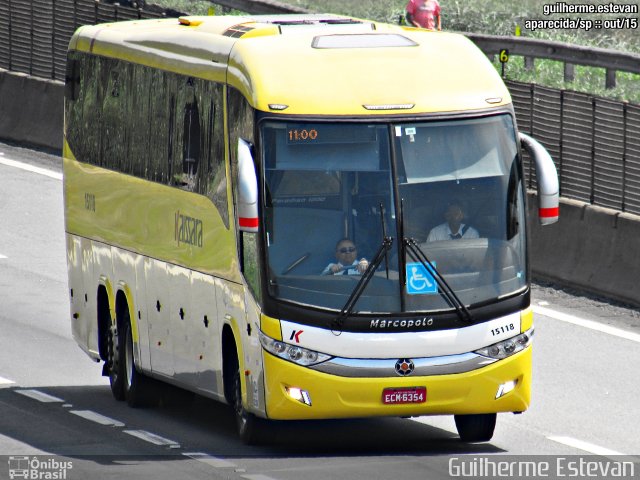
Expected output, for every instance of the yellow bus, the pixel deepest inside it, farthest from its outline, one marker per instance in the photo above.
(305, 217)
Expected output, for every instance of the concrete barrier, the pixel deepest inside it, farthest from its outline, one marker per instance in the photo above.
(31, 110)
(591, 248)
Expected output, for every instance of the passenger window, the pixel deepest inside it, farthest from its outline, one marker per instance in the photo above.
(186, 177)
(250, 263)
(191, 142)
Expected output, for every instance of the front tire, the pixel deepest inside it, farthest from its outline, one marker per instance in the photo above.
(476, 428)
(247, 423)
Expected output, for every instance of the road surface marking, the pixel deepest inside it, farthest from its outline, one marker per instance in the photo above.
(40, 396)
(210, 460)
(618, 332)
(587, 447)
(256, 476)
(152, 438)
(97, 418)
(2, 256)
(30, 168)
(5, 381)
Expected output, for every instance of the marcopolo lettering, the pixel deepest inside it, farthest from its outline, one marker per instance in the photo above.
(381, 324)
(188, 230)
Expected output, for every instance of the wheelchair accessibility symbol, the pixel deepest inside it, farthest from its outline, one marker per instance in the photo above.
(420, 280)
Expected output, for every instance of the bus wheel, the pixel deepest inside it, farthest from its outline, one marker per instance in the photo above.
(115, 364)
(136, 385)
(248, 424)
(476, 428)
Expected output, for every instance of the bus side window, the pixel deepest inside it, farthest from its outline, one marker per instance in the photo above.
(115, 135)
(92, 112)
(241, 122)
(191, 143)
(188, 134)
(250, 264)
(74, 101)
(72, 79)
(213, 173)
(240, 119)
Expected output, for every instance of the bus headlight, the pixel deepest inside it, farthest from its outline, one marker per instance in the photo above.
(508, 347)
(292, 353)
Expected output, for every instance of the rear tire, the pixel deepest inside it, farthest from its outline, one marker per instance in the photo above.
(115, 363)
(137, 387)
(476, 428)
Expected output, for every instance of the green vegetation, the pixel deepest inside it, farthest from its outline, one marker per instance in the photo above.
(498, 17)
(493, 17)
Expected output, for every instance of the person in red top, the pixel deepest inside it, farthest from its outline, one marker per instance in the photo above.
(424, 14)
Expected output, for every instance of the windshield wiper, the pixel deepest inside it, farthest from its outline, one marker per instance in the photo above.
(384, 235)
(447, 292)
(338, 322)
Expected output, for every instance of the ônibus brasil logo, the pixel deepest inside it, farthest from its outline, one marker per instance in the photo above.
(34, 468)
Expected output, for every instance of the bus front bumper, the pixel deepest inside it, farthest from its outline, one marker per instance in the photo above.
(294, 392)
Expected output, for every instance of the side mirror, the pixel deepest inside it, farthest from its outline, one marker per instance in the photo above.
(548, 186)
(247, 189)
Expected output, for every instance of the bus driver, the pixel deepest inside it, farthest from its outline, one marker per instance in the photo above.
(348, 264)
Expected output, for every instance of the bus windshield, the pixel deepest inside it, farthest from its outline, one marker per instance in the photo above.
(333, 191)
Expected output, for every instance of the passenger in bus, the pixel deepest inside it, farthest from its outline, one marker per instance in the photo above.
(347, 257)
(453, 228)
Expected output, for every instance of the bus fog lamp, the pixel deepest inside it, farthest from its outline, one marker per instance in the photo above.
(506, 388)
(508, 347)
(299, 395)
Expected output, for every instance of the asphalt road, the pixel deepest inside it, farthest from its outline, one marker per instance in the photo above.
(56, 407)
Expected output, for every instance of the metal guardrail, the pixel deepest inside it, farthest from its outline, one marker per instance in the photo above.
(571, 55)
(595, 141)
